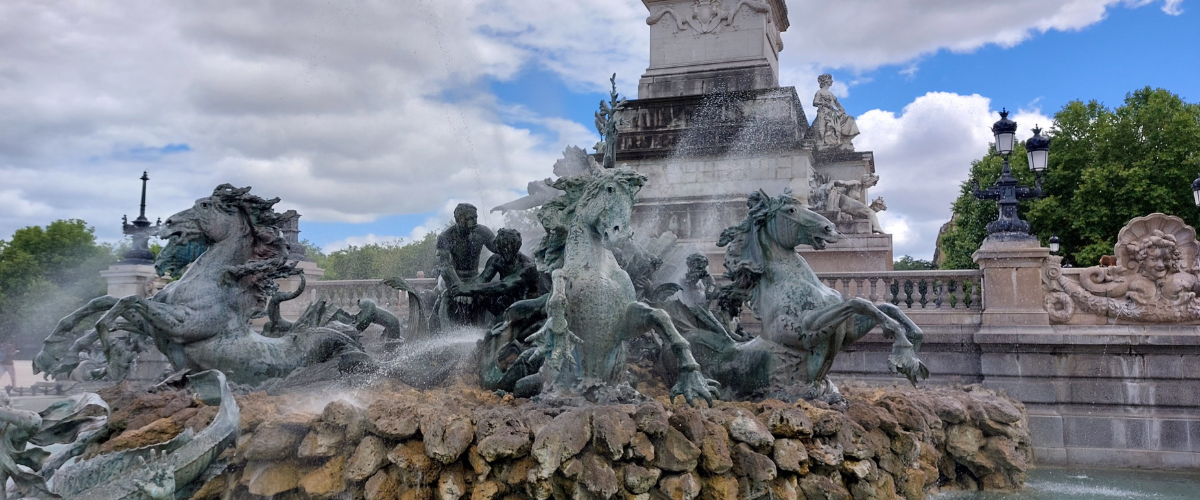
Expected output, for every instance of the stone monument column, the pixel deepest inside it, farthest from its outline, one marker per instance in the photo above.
(1013, 300)
(292, 309)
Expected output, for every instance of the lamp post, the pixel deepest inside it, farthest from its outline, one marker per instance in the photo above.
(1006, 191)
(1196, 191)
(140, 231)
(1055, 244)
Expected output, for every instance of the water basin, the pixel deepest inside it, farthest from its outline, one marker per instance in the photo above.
(1053, 483)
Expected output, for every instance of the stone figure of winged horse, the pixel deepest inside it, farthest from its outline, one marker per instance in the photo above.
(811, 321)
(233, 252)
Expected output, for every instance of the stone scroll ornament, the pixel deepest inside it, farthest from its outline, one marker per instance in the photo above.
(707, 16)
(1155, 280)
(228, 251)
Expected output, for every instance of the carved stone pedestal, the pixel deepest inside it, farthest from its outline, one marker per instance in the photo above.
(1012, 285)
(125, 280)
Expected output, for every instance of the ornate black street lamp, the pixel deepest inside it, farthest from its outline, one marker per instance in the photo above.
(140, 231)
(1055, 244)
(1196, 191)
(1006, 190)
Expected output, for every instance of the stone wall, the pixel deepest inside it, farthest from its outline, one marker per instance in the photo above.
(461, 443)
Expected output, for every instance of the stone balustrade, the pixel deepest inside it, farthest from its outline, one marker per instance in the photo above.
(958, 289)
(346, 293)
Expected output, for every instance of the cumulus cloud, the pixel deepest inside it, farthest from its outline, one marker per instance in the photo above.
(922, 156)
(354, 111)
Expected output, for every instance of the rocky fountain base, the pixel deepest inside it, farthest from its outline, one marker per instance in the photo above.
(392, 442)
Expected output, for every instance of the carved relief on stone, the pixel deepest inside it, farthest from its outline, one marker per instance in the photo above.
(844, 200)
(1155, 279)
(707, 16)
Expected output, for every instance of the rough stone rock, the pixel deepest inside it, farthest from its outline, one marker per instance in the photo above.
(690, 422)
(750, 489)
(158, 431)
(745, 428)
(789, 422)
(327, 480)
(906, 446)
(825, 422)
(963, 442)
(447, 435)
(518, 471)
(536, 420)
(255, 408)
(392, 419)
(673, 452)
(212, 489)
(598, 476)
(996, 407)
(714, 449)
(270, 479)
(383, 485)
(452, 484)
(855, 441)
(501, 434)
(369, 456)
(640, 479)
(790, 455)
(479, 464)
(858, 469)
(148, 408)
(680, 486)
(414, 467)
(823, 453)
(612, 430)
(350, 418)
(204, 416)
(488, 490)
(751, 464)
(818, 487)
(911, 484)
(723, 487)
(563, 438)
(950, 409)
(278, 438)
(641, 448)
(910, 417)
(325, 440)
(1010, 464)
(651, 418)
(785, 488)
(417, 493)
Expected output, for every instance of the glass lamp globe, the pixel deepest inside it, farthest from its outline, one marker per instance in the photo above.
(1055, 244)
(1005, 131)
(1038, 151)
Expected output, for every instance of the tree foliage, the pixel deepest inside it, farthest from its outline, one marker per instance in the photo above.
(1107, 166)
(908, 263)
(377, 261)
(45, 273)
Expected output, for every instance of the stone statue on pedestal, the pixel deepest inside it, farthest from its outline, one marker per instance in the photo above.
(832, 128)
(847, 199)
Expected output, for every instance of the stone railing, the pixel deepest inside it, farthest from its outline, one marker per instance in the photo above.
(346, 293)
(958, 290)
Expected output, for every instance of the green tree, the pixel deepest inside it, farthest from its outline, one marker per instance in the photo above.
(385, 260)
(45, 273)
(908, 263)
(1107, 166)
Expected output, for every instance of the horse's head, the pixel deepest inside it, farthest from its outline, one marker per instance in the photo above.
(229, 213)
(605, 205)
(789, 223)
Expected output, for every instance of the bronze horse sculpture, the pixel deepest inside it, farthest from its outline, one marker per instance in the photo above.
(233, 252)
(810, 321)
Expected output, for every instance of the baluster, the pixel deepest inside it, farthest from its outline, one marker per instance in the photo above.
(923, 290)
(976, 288)
(894, 288)
(874, 282)
(846, 287)
(908, 291)
(939, 291)
(858, 287)
(952, 287)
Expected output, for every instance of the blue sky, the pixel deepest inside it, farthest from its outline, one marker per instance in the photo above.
(374, 120)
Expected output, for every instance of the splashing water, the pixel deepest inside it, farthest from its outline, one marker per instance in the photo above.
(435, 361)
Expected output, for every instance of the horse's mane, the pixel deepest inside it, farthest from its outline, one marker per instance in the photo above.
(744, 262)
(558, 214)
(270, 248)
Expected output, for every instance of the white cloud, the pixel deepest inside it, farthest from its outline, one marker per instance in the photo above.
(353, 111)
(923, 155)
